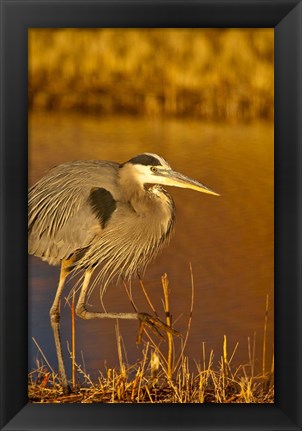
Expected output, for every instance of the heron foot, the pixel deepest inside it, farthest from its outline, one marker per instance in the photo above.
(67, 390)
(155, 324)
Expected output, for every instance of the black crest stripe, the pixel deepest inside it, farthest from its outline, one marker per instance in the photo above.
(145, 159)
(102, 204)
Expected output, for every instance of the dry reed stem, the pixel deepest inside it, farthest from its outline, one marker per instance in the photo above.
(203, 376)
(156, 347)
(154, 365)
(143, 328)
(147, 296)
(273, 365)
(73, 342)
(189, 320)
(43, 356)
(251, 353)
(79, 368)
(234, 351)
(165, 284)
(72, 352)
(264, 336)
(119, 348)
(254, 353)
(129, 294)
(225, 358)
(142, 370)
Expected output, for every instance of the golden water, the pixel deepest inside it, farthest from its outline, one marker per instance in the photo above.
(228, 239)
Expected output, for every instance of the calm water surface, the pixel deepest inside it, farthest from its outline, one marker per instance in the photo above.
(228, 239)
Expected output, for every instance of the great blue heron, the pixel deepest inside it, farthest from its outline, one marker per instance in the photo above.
(100, 215)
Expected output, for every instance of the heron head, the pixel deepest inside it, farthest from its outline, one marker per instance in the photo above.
(149, 168)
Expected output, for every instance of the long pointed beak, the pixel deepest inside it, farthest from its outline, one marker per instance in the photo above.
(177, 179)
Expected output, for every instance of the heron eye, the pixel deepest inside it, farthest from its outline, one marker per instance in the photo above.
(153, 169)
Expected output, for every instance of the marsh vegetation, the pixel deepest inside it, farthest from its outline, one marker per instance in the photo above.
(163, 374)
(211, 74)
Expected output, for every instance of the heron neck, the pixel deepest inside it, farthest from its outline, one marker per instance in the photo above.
(131, 188)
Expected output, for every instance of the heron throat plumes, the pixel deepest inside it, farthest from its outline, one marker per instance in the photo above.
(123, 249)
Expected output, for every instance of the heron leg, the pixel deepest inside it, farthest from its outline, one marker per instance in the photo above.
(81, 305)
(144, 318)
(55, 324)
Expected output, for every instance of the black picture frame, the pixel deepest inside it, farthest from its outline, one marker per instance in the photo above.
(285, 16)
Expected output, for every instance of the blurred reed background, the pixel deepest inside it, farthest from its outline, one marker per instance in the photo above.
(210, 74)
(203, 99)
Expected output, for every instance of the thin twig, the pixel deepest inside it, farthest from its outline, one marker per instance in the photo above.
(73, 341)
(189, 320)
(130, 297)
(147, 296)
(264, 337)
(44, 357)
(165, 284)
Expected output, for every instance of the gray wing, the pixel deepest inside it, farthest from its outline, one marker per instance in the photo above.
(69, 207)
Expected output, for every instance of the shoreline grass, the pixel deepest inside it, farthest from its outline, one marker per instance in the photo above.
(163, 374)
(148, 381)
